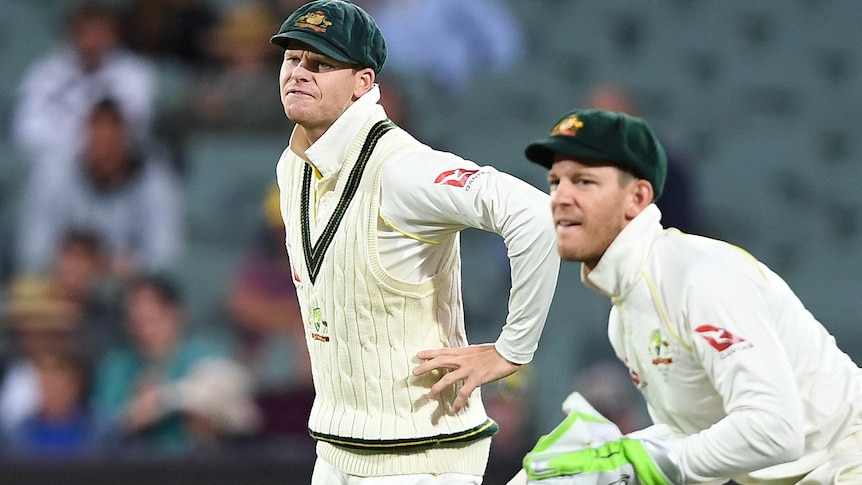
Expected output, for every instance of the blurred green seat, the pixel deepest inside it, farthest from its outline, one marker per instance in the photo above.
(227, 178)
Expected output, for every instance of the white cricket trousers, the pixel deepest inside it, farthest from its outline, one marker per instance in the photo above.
(325, 474)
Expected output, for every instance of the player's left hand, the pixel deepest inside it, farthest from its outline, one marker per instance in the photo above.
(474, 365)
(588, 449)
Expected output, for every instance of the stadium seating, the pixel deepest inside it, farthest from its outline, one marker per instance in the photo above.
(227, 176)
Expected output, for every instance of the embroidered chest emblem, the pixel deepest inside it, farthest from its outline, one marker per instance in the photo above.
(319, 327)
(659, 349)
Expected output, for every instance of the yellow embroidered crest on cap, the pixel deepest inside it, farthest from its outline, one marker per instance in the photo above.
(568, 127)
(314, 21)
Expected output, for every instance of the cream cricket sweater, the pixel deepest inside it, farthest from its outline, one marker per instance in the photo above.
(364, 328)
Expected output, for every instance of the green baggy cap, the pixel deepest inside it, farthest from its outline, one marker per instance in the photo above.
(337, 29)
(622, 140)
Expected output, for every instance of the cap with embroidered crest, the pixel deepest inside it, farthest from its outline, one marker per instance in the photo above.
(337, 29)
(592, 135)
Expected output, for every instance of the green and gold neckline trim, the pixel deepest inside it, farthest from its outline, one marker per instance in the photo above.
(314, 253)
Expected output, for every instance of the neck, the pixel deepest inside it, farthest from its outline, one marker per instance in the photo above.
(311, 135)
(301, 141)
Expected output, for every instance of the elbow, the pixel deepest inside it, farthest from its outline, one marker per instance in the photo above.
(794, 446)
(786, 442)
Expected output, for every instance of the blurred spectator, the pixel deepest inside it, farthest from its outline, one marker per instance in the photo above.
(283, 8)
(607, 387)
(82, 276)
(154, 387)
(40, 323)
(509, 402)
(236, 90)
(216, 401)
(61, 425)
(263, 304)
(678, 203)
(171, 30)
(59, 91)
(395, 99)
(129, 198)
(449, 40)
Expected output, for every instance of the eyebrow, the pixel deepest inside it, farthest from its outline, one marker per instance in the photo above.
(313, 55)
(323, 58)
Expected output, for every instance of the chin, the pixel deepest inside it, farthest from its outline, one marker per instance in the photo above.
(567, 254)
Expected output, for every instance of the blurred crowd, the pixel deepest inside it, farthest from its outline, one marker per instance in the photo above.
(100, 353)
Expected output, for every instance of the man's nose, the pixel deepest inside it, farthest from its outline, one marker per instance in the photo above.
(562, 194)
(300, 72)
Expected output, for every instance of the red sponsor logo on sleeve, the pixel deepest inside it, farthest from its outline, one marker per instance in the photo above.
(457, 177)
(719, 338)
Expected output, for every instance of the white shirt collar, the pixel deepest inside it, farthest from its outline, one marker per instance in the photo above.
(328, 152)
(620, 266)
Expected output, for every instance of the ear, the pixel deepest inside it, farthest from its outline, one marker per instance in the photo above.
(364, 81)
(641, 196)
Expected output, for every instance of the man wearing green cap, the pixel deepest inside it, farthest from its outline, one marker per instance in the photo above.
(373, 220)
(741, 381)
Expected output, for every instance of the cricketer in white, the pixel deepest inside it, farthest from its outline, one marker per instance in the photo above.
(726, 355)
(389, 287)
(747, 383)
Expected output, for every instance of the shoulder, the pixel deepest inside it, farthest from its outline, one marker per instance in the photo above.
(56, 62)
(699, 263)
(420, 165)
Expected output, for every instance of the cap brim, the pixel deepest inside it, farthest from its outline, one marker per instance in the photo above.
(543, 151)
(313, 41)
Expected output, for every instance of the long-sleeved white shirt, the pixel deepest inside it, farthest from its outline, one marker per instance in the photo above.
(724, 353)
(428, 195)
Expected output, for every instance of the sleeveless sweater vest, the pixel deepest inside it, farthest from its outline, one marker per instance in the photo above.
(363, 326)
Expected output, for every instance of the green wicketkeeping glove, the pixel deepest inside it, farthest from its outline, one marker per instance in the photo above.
(587, 449)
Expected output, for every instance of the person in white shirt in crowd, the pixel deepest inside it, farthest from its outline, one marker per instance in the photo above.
(127, 196)
(372, 221)
(741, 381)
(59, 91)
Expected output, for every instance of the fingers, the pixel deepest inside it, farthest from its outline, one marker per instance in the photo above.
(454, 351)
(461, 397)
(435, 363)
(470, 383)
(473, 365)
